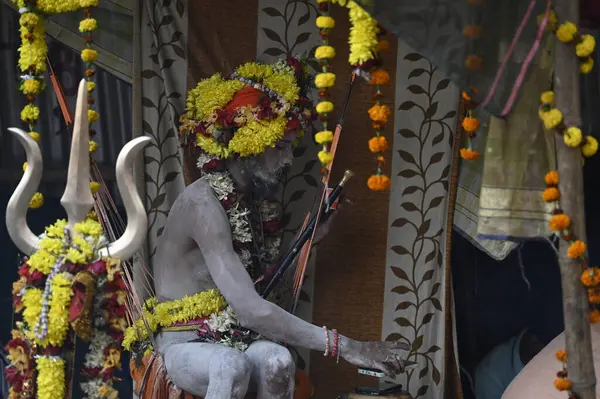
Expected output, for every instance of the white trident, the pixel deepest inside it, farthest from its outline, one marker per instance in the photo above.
(77, 199)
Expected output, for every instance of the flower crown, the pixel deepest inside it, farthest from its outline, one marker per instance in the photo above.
(248, 112)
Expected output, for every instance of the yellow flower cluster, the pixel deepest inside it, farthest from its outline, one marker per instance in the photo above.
(51, 379)
(51, 246)
(585, 45)
(33, 49)
(166, 314)
(88, 25)
(209, 95)
(283, 84)
(36, 201)
(58, 316)
(255, 136)
(363, 35)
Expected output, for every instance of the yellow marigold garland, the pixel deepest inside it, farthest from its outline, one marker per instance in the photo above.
(324, 81)
(51, 380)
(568, 33)
(51, 368)
(572, 135)
(33, 53)
(166, 314)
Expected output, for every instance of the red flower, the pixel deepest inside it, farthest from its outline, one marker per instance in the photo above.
(72, 268)
(24, 270)
(225, 118)
(294, 63)
(35, 278)
(271, 226)
(91, 371)
(98, 267)
(293, 124)
(14, 378)
(212, 164)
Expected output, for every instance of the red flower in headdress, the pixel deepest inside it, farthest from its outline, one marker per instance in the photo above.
(294, 63)
(35, 278)
(293, 124)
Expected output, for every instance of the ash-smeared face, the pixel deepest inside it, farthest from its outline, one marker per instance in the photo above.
(268, 166)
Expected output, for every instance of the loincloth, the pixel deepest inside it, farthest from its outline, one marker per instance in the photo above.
(150, 379)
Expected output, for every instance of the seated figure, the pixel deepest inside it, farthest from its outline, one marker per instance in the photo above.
(218, 338)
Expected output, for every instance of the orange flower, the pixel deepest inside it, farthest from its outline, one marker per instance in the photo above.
(562, 384)
(472, 31)
(378, 144)
(381, 160)
(559, 222)
(380, 77)
(594, 316)
(576, 249)
(552, 178)
(590, 277)
(378, 182)
(470, 124)
(551, 194)
(561, 355)
(383, 45)
(379, 113)
(468, 154)
(466, 96)
(593, 295)
(473, 63)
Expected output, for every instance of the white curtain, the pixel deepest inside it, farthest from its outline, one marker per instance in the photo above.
(415, 282)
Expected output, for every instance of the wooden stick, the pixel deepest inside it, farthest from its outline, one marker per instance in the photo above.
(580, 364)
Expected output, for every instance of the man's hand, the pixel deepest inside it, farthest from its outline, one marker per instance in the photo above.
(378, 355)
(324, 228)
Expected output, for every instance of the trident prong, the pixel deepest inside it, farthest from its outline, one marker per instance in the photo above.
(78, 199)
(16, 210)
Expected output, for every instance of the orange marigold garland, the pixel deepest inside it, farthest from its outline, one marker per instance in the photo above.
(379, 115)
(560, 224)
(470, 125)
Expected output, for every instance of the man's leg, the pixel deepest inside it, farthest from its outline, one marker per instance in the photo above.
(208, 370)
(273, 370)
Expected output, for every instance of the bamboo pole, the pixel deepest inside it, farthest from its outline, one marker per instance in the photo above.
(580, 366)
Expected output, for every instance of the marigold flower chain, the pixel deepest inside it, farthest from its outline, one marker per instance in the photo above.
(48, 280)
(470, 125)
(572, 136)
(378, 144)
(568, 33)
(33, 53)
(577, 251)
(324, 81)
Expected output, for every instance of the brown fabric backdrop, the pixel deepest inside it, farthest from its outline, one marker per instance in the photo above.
(222, 35)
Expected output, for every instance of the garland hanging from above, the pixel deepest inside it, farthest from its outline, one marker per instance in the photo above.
(32, 61)
(364, 39)
(65, 289)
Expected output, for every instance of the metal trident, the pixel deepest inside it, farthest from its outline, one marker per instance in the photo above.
(77, 199)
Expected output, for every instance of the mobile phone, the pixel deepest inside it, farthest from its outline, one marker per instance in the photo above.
(371, 372)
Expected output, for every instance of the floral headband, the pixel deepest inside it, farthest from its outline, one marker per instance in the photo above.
(249, 112)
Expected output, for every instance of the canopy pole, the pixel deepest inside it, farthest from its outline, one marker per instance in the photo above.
(580, 365)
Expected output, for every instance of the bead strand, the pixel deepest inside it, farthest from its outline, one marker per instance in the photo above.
(326, 353)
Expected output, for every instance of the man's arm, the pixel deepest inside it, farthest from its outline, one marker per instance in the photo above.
(212, 233)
